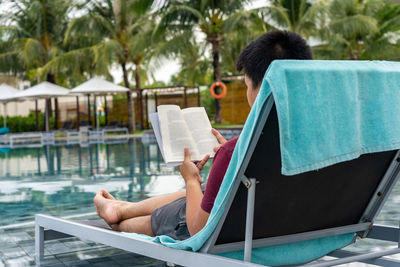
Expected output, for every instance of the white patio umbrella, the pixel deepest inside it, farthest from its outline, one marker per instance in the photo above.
(44, 90)
(7, 94)
(98, 86)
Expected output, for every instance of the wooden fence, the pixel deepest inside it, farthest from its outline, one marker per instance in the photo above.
(235, 107)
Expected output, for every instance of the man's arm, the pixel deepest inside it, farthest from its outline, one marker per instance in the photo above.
(196, 217)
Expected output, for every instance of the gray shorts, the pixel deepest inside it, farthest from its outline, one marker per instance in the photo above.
(170, 219)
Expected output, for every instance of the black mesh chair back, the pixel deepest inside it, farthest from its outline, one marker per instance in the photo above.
(330, 197)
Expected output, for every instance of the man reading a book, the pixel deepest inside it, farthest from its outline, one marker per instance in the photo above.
(184, 213)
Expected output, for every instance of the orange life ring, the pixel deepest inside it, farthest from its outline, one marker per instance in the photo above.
(222, 94)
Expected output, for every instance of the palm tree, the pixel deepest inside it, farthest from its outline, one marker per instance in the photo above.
(382, 44)
(210, 17)
(117, 31)
(240, 29)
(32, 35)
(195, 68)
(299, 16)
(360, 29)
(191, 56)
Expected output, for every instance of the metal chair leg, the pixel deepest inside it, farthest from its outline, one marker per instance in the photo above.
(39, 243)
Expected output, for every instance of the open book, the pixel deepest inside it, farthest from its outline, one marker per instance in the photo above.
(176, 129)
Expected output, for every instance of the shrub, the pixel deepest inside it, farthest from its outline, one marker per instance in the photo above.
(207, 101)
(26, 124)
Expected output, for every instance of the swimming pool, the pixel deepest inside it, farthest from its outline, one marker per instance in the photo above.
(62, 180)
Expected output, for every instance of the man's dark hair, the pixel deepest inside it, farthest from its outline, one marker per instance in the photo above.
(258, 55)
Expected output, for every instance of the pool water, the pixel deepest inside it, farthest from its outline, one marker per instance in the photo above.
(62, 180)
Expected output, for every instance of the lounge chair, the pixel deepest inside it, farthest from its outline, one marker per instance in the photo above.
(3, 134)
(84, 127)
(113, 124)
(115, 127)
(4, 130)
(65, 127)
(285, 220)
(99, 135)
(85, 123)
(27, 139)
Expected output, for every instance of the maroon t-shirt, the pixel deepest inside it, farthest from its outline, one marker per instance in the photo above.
(220, 165)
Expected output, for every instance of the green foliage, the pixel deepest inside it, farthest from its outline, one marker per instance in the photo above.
(222, 125)
(27, 124)
(102, 121)
(360, 29)
(110, 32)
(42, 39)
(207, 101)
(32, 34)
(234, 43)
(195, 67)
(300, 16)
(211, 17)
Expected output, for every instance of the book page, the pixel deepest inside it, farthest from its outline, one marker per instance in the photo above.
(200, 128)
(175, 134)
(155, 123)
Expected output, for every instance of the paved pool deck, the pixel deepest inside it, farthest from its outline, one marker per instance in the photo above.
(17, 248)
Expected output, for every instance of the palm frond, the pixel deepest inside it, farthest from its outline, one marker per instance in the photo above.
(92, 28)
(10, 62)
(68, 62)
(280, 16)
(174, 46)
(32, 52)
(354, 26)
(106, 53)
(141, 7)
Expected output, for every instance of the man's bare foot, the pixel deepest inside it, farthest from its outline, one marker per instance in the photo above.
(106, 194)
(115, 227)
(107, 207)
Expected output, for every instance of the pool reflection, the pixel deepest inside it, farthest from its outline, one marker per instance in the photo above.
(62, 180)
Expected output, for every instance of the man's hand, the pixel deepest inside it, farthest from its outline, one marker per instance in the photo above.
(196, 218)
(220, 139)
(189, 170)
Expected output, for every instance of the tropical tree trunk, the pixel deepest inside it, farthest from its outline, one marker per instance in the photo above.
(131, 117)
(217, 76)
(354, 53)
(353, 56)
(51, 78)
(139, 91)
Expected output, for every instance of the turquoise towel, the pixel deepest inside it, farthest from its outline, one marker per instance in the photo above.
(295, 253)
(333, 111)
